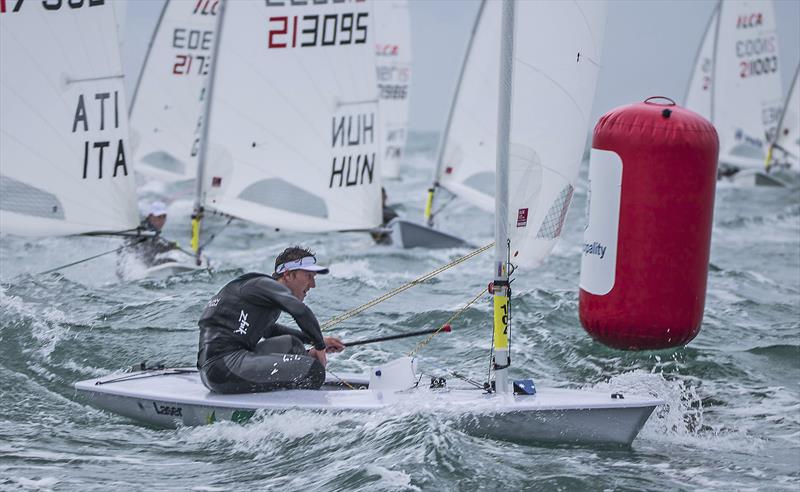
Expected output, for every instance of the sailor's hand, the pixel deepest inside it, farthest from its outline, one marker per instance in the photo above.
(319, 355)
(334, 345)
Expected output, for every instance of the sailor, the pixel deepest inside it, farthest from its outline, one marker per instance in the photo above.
(388, 215)
(242, 347)
(147, 250)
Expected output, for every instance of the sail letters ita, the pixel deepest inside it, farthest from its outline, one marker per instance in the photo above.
(94, 151)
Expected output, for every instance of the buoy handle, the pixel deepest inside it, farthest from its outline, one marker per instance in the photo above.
(671, 102)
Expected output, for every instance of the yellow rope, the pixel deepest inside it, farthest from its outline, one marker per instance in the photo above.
(453, 317)
(349, 314)
(340, 379)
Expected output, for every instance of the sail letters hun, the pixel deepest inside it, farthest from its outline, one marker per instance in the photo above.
(353, 146)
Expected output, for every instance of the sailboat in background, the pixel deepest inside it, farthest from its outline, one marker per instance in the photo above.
(736, 84)
(465, 161)
(63, 127)
(554, 72)
(291, 139)
(169, 100)
(784, 151)
(393, 70)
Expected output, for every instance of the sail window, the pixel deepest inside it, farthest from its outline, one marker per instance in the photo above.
(25, 199)
(280, 194)
(553, 222)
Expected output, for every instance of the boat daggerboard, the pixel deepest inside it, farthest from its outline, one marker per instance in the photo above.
(470, 144)
(64, 153)
(169, 102)
(698, 94)
(557, 52)
(747, 94)
(393, 71)
(293, 119)
(787, 138)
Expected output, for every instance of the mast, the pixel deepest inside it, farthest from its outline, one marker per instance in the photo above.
(501, 247)
(147, 55)
(779, 128)
(699, 53)
(446, 132)
(714, 60)
(197, 213)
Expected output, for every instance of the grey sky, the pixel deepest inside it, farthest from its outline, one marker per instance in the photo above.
(649, 49)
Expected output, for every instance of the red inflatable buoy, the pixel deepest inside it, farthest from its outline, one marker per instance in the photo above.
(644, 266)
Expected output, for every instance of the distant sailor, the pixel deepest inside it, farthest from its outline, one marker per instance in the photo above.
(388, 215)
(148, 250)
(242, 347)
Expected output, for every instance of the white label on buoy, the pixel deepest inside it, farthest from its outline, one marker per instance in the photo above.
(599, 258)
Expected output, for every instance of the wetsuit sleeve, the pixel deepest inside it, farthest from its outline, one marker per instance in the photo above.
(279, 329)
(268, 292)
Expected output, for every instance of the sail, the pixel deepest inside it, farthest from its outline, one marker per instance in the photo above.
(64, 153)
(393, 52)
(786, 149)
(698, 95)
(168, 105)
(293, 122)
(747, 93)
(557, 51)
(470, 144)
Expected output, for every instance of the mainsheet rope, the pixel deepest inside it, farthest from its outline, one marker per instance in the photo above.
(353, 312)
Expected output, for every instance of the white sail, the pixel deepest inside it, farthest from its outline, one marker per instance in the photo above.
(469, 147)
(393, 52)
(64, 151)
(556, 63)
(698, 94)
(293, 122)
(167, 107)
(786, 147)
(747, 92)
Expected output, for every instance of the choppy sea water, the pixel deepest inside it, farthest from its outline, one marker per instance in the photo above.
(732, 419)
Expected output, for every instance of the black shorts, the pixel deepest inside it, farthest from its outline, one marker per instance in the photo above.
(276, 363)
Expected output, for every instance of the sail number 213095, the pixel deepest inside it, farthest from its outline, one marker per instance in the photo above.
(317, 30)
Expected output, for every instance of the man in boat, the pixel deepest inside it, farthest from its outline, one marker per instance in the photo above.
(242, 347)
(388, 214)
(148, 248)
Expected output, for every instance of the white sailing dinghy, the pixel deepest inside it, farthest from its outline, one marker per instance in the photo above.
(169, 100)
(783, 158)
(291, 138)
(467, 149)
(736, 84)
(393, 71)
(559, 78)
(64, 154)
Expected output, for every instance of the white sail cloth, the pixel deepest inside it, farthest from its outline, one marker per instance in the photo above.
(470, 147)
(556, 66)
(64, 154)
(786, 151)
(168, 105)
(293, 120)
(745, 82)
(393, 70)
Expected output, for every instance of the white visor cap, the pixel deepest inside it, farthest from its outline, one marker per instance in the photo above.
(307, 263)
(157, 209)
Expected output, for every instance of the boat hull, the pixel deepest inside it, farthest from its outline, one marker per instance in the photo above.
(406, 234)
(174, 397)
